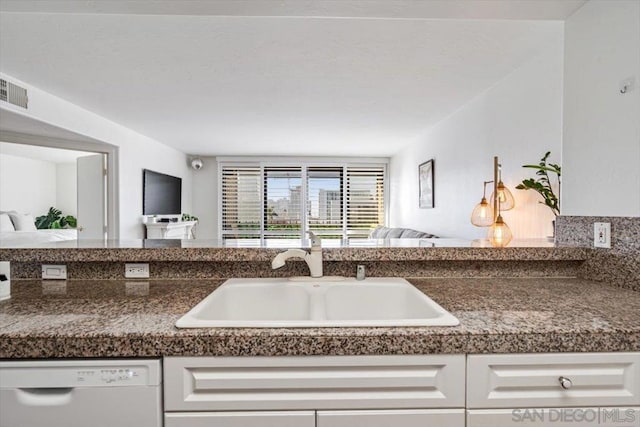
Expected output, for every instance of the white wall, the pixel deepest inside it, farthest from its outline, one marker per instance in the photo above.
(136, 151)
(33, 186)
(517, 119)
(67, 188)
(601, 148)
(205, 199)
(27, 185)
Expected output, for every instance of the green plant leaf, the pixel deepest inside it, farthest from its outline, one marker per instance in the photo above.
(542, 168)
(71, 221)
(542, 185)
(54, 219)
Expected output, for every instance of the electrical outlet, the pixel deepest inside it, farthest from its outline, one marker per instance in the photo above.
(136, 271)
(5, 280)
(50, 271)
(602, 235)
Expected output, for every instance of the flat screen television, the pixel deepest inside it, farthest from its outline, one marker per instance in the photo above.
(161, 194)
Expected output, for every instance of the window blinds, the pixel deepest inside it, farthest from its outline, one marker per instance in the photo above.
(365, 200)
(276, 202)
(241, 208)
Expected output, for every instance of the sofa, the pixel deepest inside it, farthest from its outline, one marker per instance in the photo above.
(399, 233)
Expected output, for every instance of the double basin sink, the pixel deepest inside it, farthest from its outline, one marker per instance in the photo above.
(324, 302)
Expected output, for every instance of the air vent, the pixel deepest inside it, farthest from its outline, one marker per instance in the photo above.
(13, 94)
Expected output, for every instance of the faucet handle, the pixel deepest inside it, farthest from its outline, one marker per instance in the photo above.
(316, 242)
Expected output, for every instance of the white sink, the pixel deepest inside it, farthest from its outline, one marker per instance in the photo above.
(274, 303)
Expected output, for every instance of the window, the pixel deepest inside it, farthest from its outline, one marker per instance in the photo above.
(325, 202)
(283, 202)
(265, 201)
(242, 204)
(365, 200)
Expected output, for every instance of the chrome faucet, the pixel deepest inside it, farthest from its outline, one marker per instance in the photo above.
(312, 258)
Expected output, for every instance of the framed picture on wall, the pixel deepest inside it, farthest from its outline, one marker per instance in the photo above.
(425, 184)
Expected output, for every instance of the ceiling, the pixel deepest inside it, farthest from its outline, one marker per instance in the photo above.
(266, 77)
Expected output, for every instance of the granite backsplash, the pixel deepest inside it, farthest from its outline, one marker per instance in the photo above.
(619, 265)
(226, 269)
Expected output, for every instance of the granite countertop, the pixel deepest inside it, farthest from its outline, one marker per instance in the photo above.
(113, 318)
(338, 250)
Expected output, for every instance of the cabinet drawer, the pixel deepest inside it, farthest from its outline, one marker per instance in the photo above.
(557, 417)
(241, 419)
(310, 382)
(533, 380)
(394, 417)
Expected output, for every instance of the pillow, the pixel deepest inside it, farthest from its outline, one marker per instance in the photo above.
(5, 223)
(23, 222)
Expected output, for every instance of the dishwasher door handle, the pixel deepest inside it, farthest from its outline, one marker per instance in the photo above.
(58, 396)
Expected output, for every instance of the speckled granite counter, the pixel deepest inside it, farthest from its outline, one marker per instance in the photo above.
(119, 319)
(366, 250)
(397, 257)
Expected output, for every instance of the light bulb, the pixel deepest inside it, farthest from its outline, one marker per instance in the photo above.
(482, 215)
(500, 233)
(505, 198)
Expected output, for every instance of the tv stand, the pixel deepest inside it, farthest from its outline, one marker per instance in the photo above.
(182, 230)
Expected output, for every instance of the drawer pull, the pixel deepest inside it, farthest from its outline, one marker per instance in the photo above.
(565, 383)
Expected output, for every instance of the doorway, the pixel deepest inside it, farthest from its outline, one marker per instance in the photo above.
(17, 129)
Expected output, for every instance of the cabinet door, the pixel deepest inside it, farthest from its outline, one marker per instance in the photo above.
(392, 417)
(310, 382)
(175, 231)
(241, 419)
(556, 417)
(553, 380)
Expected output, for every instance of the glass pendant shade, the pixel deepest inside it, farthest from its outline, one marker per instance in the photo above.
(505, 198)
(499, 233)
(482, 215)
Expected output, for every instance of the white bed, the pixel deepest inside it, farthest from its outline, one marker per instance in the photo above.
(38, 237)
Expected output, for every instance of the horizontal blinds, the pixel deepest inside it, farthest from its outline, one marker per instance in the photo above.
(364, 199)
(283, 195)
(283, 202)
(241, 199)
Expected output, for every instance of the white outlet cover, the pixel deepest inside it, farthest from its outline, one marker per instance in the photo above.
(54, 271)
(136, 271)
(602, 235)
(5, 285)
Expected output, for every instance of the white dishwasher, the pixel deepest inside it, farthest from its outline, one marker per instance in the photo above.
(80, 393)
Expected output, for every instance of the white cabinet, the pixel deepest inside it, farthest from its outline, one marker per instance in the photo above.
(404, 391)
(392, 417)
(312, 382)
(171, 230)
(344, 390)
(533, 380)
(566, 389)
(241, 419)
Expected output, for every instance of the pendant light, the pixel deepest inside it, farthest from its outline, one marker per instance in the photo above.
(500, 234)
(507, 202)
(489, 215)
(482, 215)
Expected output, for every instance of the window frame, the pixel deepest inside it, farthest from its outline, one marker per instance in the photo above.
(303, 163)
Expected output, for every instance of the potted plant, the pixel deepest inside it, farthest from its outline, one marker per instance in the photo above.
(55, 219)
(543, 183)
(189, 217)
